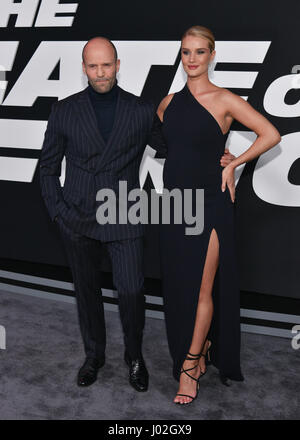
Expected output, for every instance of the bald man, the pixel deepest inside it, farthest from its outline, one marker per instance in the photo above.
(102, 131)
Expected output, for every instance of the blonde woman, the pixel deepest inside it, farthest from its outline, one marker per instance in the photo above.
(199, 272)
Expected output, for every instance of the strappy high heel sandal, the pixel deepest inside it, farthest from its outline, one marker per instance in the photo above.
(183, 370)
(206, 356)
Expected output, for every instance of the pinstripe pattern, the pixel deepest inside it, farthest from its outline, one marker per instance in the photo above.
(84, 255)
(127, 259)
(92, 164)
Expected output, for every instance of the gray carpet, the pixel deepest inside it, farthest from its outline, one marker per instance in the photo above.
(43, 352)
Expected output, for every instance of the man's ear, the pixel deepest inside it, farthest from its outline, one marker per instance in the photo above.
(83, 67)
(118, 65)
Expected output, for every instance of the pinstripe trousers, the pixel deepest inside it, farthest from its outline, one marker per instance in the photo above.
(84, 254)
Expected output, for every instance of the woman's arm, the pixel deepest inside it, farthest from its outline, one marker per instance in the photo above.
(267, 136)
(163, 105)
(156, 139)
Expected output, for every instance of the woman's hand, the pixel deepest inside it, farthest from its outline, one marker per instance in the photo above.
(227, 158)
(228, 179)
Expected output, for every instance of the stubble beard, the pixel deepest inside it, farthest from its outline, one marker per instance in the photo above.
(103, 86)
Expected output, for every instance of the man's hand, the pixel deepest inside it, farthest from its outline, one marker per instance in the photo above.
(227, 158)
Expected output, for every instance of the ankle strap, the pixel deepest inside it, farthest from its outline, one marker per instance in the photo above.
(194, 358)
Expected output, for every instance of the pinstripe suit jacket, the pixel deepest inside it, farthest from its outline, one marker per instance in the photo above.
(92, 164)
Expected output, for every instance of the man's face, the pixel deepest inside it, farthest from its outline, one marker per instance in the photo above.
(100, 66)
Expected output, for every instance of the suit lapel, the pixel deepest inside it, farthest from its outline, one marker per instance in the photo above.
(88, 119)
(124, 107)
(89, 124)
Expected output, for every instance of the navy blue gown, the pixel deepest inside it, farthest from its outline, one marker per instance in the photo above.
(195, 144)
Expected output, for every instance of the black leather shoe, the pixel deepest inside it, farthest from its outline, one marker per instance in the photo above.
(138, 374)
(88, 372)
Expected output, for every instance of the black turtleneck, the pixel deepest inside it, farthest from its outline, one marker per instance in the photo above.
(105, 107)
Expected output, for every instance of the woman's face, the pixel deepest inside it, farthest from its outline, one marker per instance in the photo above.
(195, 55)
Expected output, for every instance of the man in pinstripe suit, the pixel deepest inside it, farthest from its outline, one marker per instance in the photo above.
(102, 131)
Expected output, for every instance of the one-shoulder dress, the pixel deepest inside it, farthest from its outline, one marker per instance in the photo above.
(195, 144)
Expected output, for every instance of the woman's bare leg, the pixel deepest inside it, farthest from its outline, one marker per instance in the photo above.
(203, 321)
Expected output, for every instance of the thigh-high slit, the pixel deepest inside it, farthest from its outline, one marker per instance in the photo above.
(195, 145)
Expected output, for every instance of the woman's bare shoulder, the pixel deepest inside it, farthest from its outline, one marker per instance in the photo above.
(231, 101)
(163, 105)
(228, 96)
